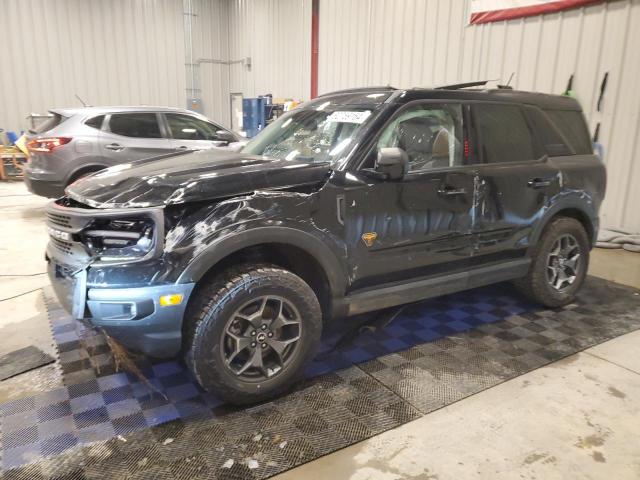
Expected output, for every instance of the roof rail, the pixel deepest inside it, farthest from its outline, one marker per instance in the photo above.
(359, 89)
(458, 86)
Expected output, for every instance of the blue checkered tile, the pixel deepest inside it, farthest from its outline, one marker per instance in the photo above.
(98, 403)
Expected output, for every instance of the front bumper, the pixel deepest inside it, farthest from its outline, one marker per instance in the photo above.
(133, 316)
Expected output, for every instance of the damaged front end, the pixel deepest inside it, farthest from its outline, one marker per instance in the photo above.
(105, 267)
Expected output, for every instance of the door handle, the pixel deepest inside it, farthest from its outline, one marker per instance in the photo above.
(116, 147)
(340, 209)
(538, 183)
(182, 147)
(449, 190)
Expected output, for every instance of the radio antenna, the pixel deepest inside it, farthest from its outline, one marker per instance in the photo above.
(84, 104)
(510, 78)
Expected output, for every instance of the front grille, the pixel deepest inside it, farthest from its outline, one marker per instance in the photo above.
(64, 247)
(59, 220)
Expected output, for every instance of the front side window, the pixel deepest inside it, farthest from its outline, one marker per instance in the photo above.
(185, 127)
(139, 125)
(430, 134)
(312, 135)
(504, 134)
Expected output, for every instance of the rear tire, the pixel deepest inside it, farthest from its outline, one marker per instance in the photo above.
(559, 264)
(251, 331)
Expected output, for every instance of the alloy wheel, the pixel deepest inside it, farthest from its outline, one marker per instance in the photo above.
(563, 262)
(261, 338)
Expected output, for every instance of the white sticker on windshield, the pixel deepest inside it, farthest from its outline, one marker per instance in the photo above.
(349, 117)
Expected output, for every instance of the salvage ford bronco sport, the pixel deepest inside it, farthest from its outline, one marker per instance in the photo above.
(358, 200)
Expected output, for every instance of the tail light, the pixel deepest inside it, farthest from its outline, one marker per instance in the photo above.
(47, 144)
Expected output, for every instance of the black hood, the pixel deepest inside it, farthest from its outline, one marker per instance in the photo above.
(191, 177)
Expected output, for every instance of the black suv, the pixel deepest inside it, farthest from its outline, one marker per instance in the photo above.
(356, 201)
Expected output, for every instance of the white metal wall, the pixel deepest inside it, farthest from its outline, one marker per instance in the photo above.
(276, 34)
(211, 42)
(116, 52)
(133, 52)
(409, 43)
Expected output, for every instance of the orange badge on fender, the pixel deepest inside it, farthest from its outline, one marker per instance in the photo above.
(369, 237)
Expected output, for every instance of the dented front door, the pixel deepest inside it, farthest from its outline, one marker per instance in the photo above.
(398, 230)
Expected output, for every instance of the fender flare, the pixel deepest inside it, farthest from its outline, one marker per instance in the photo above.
(229, 244)
(583, 206)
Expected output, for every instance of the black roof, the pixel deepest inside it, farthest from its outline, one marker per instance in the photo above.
(388, 94)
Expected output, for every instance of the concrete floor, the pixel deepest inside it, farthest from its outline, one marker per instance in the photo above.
(577, 418)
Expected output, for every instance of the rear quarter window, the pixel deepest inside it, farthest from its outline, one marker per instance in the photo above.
(552, 140)
(95, 122)
(573, 127)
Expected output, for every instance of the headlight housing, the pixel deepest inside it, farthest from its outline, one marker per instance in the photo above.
(119, 239)
(85, 235)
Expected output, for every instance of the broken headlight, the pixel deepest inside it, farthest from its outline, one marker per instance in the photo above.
(119, 240)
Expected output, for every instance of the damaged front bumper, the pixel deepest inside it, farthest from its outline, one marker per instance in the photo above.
(133, 316)
(112, 297)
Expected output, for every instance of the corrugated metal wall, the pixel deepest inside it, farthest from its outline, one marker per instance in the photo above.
(211, 42)
(409, 43)
(133, 52)
(276, 34)
(117, 52)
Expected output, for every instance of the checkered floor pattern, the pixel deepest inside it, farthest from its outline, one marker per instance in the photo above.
(372, 373)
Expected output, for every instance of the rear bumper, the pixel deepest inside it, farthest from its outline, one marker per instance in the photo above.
(43, 188)
(133, 316)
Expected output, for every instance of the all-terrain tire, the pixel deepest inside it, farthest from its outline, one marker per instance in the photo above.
(536, 284)
(211, 307)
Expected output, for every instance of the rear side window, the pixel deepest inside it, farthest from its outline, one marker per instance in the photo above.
(552, 140)
(95, 122)
(504, 134)
(139, 125)
(573, 127)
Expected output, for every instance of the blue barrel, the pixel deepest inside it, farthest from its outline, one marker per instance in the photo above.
(253, 118)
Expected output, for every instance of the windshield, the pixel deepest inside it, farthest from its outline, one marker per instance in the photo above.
(312, 135)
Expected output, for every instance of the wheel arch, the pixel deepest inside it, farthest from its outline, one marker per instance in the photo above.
(575, 210)
(302, 253)
(82, 169)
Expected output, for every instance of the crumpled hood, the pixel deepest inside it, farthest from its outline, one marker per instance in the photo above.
(195, 176)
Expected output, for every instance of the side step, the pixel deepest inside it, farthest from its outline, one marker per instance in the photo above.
(398, 294)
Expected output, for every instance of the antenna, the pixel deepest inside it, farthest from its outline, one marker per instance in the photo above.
(510, 78)
(84, 104)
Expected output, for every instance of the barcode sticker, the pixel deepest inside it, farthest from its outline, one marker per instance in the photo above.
(349, 117)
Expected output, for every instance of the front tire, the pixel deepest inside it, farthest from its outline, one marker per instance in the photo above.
(559, 264)
(251, 331)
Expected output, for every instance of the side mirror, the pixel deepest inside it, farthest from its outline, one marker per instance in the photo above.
(392, 162)
(225, 136)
